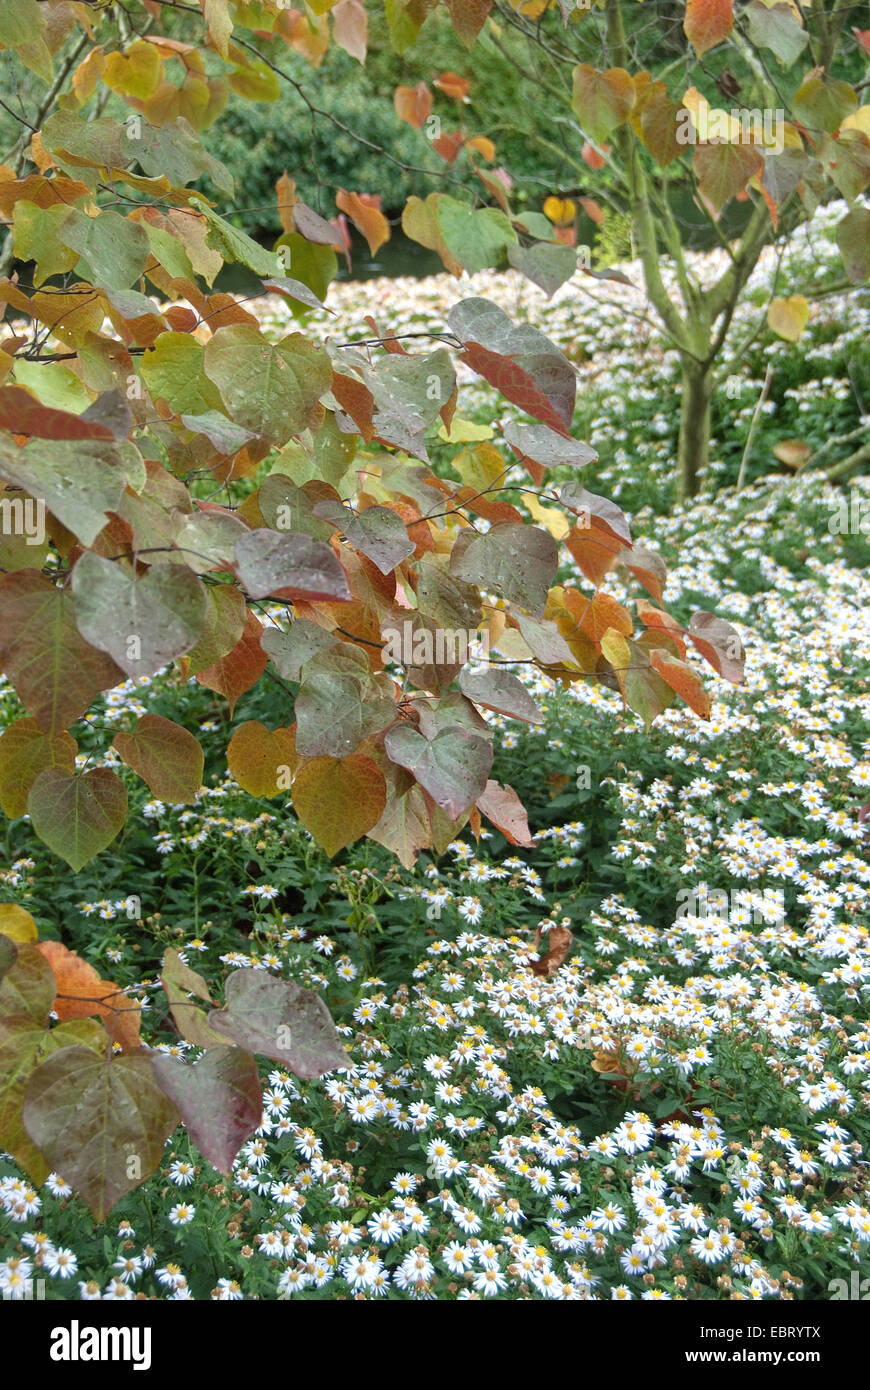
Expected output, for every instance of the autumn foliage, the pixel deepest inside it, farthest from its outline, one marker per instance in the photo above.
(158, 380)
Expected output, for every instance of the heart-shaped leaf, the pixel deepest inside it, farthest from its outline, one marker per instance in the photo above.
(452, 767)
(219, 1099)
(142, 623)
(56, 673)
(291, 563)
(165, 755)
(77, 816)
(278, 1019)
(338, 800)
(101, 1123)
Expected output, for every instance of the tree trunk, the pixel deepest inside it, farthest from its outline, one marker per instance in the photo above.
(693, 447)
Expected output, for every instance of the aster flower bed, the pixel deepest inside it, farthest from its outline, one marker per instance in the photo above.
(673, 1107)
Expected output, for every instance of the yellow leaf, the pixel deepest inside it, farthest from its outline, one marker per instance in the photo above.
(338, 800)
(262, 762)
(17, 923)
(561, 211)
(616, 649)
(859, 120)
(788, 317)
(464, 431)
(556, 522)
(135, 73)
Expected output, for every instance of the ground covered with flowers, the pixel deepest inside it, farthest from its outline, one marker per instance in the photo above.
(681, 1109)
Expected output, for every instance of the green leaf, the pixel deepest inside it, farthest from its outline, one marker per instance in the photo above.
(645, 691)
(7, 955)
(77, 816)
(378, 532)
(23, 27)
(822, 105)
(224, 624)
(207, 540)
(548, 266)
(405, 19)
(269, 562)
(853, 239)
(224, 435)
(335, 712)
(477, 238)
(90, 1117)
(314, 265)
(176, 150)
(544, 640)
(453, 767)
(512, 559)
(78, 142)
(79, 480)
(778, 28)
(36, 238)
(55, 672)
(602, 100)
(173, 371)
(22, 1048)
(112, 250)
(277, 1019)
(286, 507)
(502, 692)
(518, 360)
(724, 170)
(179, 982)
(165, 755)
(143, 623)
(28, 987)
(272, 388)
(404, 828)
(291, 649)
(25, 751)
(544, 446)
(219, 1099)
(235, 245)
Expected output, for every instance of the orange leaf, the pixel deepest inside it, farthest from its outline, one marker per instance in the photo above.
(339, 799)
(413, 104)
(241, 668)
(81, 993)
(483, 145)
(594, 551)
(593, 210)
(452, 85)
(286, 191)
(364, 211)
(600, 613)
(681, 678)
(560, 940)
(707, 23)
(262, 762)
(590, 155)
(449, 145)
